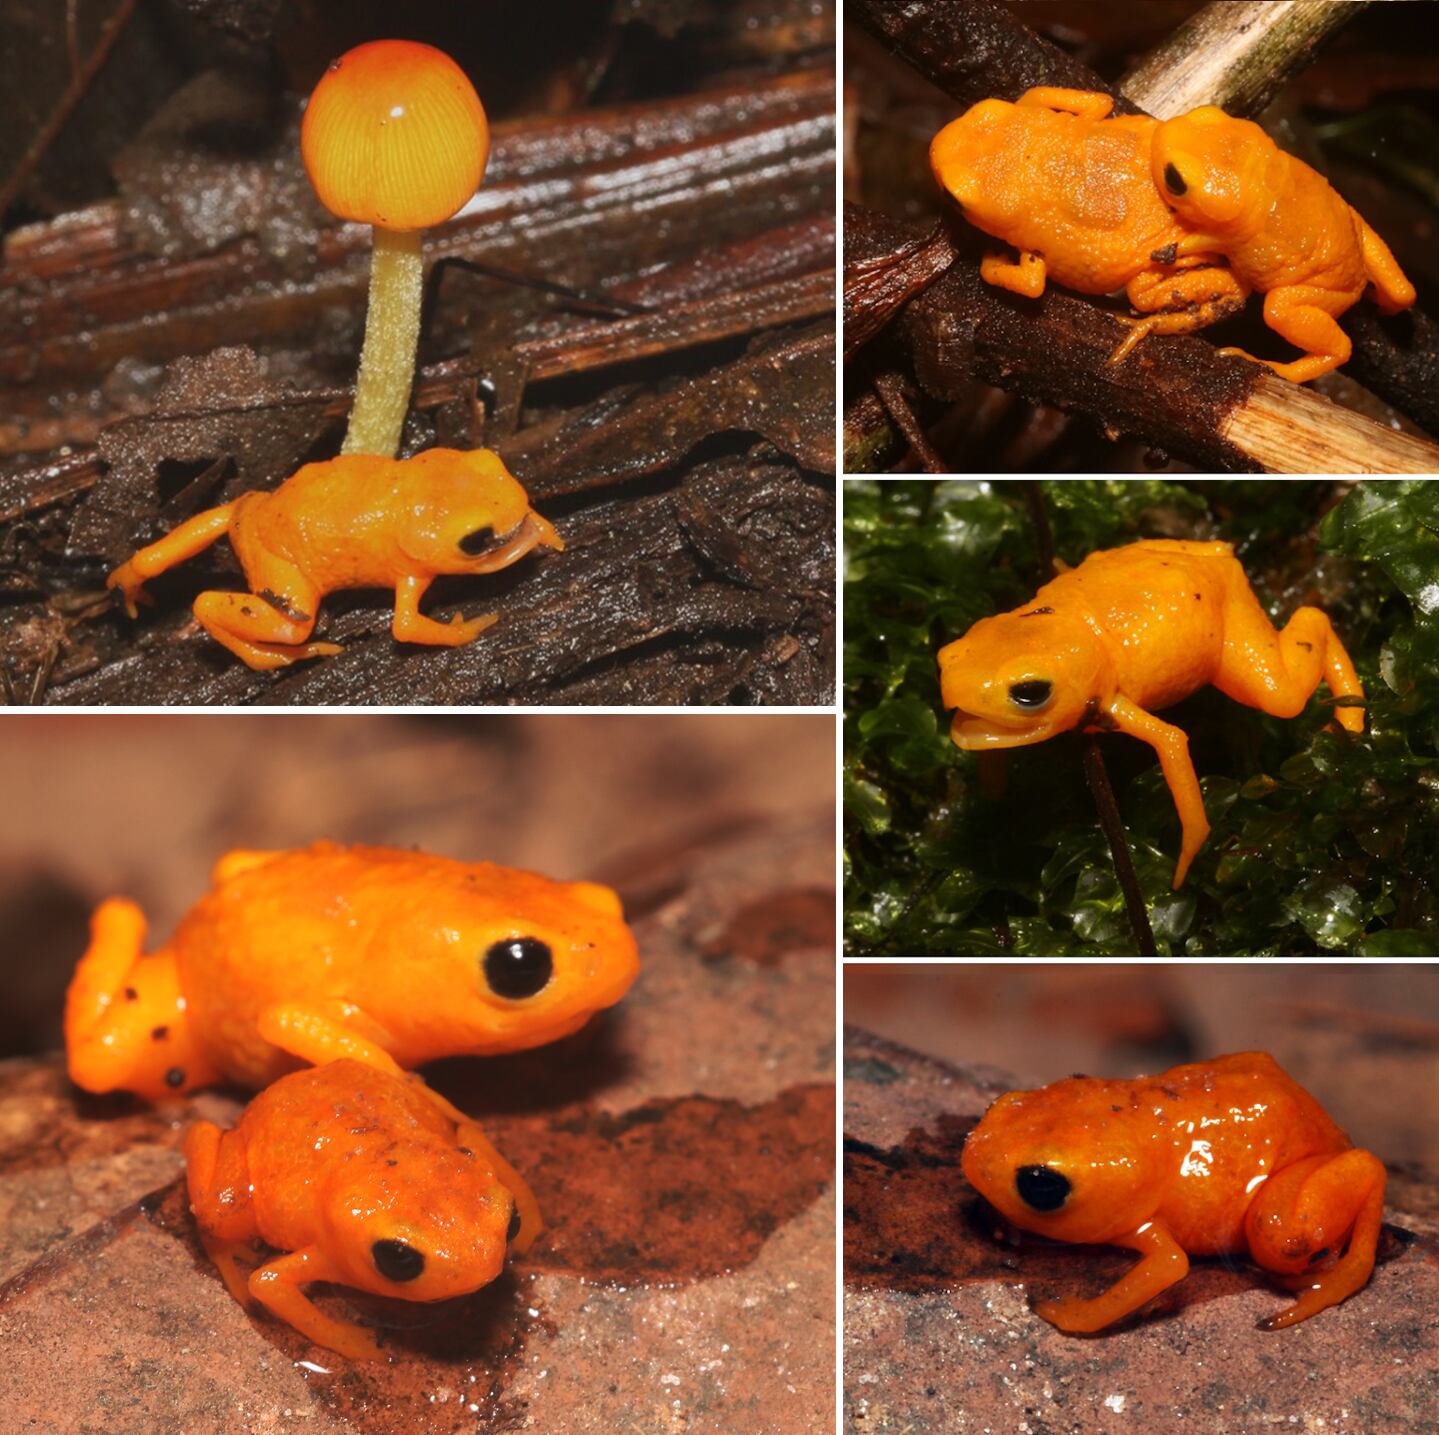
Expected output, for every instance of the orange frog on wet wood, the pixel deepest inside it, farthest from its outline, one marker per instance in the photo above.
(1131, 630)
(1187, 216)
(357, 521)
(1220, 1157)
(360, 1178)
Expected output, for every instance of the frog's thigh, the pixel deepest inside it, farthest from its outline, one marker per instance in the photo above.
(1172, 747)
(1278, 672)
(1305, 316)
(277, 1286)
(1311, 1207)
(1179, 302)
(257, 631)
(1163, 1264)
(1025, 276)
(314, 1036)
(1090, 104)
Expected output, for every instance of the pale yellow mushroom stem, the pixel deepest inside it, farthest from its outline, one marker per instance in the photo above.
(392, 334)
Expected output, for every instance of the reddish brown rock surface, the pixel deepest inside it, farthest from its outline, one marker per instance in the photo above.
(681, 1149)
(939, 1335)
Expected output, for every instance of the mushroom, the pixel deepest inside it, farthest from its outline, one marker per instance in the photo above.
(395, 137)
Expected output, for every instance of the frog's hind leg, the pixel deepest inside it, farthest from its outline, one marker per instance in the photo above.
(1088, 104)
(191, 537)
(1277, 672)
(1306, 316)
(1195, 294)
(1391, 290)
(1310, 1207)
(126, 1028)
(263, 631)
(276, 1286)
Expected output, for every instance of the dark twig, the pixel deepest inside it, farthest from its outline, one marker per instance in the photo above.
(891, 395)
(74, 93)
(1113, 825)
(1094, 768)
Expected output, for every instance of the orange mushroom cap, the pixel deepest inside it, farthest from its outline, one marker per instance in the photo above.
(395, 136)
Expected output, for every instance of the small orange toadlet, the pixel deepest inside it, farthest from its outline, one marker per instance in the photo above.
(360, 1178)
(356, 521)
(1131, 630)
(394, 136)
(1188, 217)
(1221, 1157)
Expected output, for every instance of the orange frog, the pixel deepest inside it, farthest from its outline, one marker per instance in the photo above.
(1130, 630)
(357, 521)
(1215, 1158)
(363, 1180)
(1188, 216)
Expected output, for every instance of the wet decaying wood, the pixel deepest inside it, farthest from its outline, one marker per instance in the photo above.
(639, 320)
(975, 49)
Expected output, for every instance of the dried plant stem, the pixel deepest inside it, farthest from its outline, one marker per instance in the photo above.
(1113, 825)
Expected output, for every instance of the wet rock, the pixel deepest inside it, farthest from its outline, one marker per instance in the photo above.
(681, 1149)
(939, 1334)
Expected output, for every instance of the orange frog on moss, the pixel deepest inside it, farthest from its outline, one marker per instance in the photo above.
(361, 1179)
(1134, 629)
(1188, 216)
(357, 521)
(1215, 1158)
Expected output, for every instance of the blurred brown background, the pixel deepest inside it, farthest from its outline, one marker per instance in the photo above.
(1363, 1039)
(141, 806)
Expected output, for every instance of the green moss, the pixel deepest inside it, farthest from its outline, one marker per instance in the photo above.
(1322, 842)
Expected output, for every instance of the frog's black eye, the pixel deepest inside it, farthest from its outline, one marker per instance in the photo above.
(396, 1261)
(1041, 1188)
(514, 1229)
(519, 967)
(1174, 181)
(475, 543)
(1032, 693)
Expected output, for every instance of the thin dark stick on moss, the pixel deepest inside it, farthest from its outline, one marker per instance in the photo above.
(1043, 533)
(1113, 825)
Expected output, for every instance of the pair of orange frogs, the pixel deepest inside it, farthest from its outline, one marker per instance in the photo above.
(1187, 216)
(367, 962)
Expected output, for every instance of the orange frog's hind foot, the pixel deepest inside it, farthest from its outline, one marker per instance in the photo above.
(125, 1022)
(1311, 1207)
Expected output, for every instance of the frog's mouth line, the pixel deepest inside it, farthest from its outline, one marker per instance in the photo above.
(975, 734)
(531, 532)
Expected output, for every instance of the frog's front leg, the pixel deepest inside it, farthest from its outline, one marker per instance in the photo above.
(277, 1286)
(316, 1037)
(1025, 276)
(1312, 1207)
(412, 626)
(1172, 747)
(1178, 300)
(1305, 315)
(1164, 1263)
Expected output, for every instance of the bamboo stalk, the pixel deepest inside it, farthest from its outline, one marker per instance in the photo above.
(1237, 54)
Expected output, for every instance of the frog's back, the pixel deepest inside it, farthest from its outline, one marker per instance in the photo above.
(1159, 604)
(1248, 1119)
(1077, 191)
(284, 927)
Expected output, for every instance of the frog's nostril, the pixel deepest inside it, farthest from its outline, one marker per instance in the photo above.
(1041, 1188)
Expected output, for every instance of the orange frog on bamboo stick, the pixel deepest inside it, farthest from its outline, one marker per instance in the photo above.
(1131, 630)
(1215, 1158)
(359, 1178)
(1187, 216)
